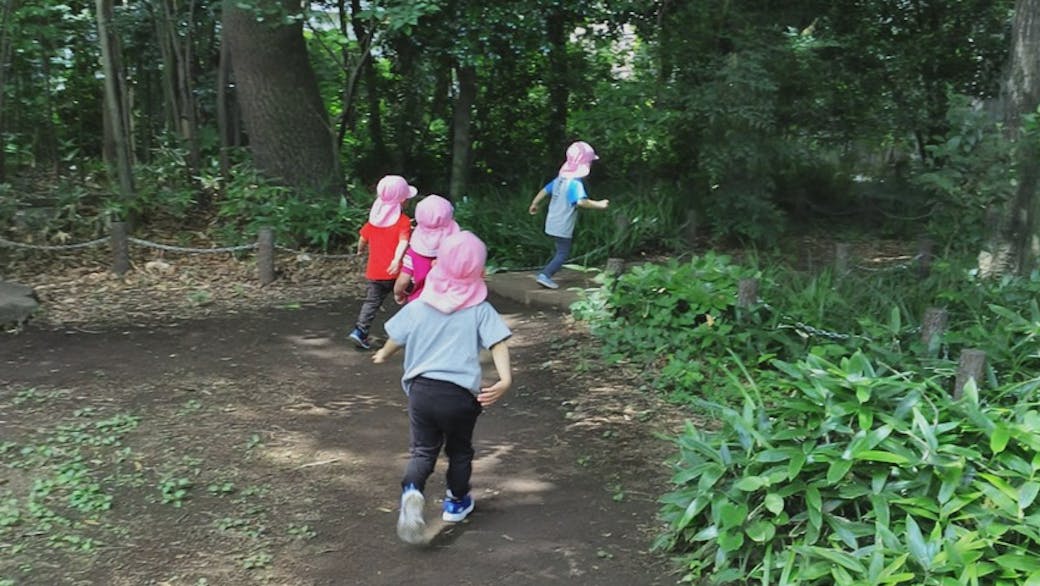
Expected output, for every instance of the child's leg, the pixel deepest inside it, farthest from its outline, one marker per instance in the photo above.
(458, 433)
(426, 435)
(563, 250)
(375, 293)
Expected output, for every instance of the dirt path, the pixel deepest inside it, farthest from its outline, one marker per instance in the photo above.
(262, 449)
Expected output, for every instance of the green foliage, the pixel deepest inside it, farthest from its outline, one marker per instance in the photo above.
(251, 201)
(968, 172)
(858, 475)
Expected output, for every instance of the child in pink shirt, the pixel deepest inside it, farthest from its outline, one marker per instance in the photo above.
(434, 219)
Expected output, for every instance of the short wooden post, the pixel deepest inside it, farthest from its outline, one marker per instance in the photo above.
(265, 255)
(747, 293)
(615, 266)
(841, 258)
(971, 366)
(120, 248)
(925, 247)
(933, 324)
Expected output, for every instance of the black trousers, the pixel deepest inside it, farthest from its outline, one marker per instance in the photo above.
(441, 414)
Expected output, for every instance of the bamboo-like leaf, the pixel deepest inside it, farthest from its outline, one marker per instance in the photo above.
(1027, 494)
(835, 556)
(999, 439)
(916, 544)
(838, 470)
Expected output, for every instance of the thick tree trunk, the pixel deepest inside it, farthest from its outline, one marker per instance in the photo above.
(114, 101)
(289, 130)
(1019, 248)
(462, 141)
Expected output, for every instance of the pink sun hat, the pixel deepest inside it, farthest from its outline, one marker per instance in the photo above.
(579, 160)
(456, 281)
(434, 221)
(392, 191)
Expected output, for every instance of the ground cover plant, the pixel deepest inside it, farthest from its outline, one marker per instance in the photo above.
(840, 456)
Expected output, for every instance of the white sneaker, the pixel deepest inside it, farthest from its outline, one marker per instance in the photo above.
(411, 527)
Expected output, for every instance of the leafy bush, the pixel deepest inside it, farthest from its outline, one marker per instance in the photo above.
(861, 475)
(251, 202)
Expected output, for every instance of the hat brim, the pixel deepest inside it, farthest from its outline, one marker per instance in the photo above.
(575, 172)
(412, 192)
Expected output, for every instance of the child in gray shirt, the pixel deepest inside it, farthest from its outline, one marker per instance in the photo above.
(442, 333)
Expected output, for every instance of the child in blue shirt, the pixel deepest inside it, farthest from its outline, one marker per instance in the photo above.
(567, 194)
(442, 333)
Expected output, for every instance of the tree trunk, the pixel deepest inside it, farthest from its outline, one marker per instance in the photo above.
(223, 71)
(462, 139)
(1021, 95)
(114, 101)
(289, 130)
(5, 58)
(558, 79)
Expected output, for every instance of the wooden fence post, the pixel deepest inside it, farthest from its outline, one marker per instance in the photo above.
(615, 266)
(265, 255)
(747, 293)
(120, 248)
(925, 253)
(971, 366)
(933, 324)
(841, 258)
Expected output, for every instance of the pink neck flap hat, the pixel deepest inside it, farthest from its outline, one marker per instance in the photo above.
(434, 221)
(456, 281)
(579, 160)
(392, 191)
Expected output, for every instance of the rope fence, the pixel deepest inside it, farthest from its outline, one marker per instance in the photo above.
(119, 242)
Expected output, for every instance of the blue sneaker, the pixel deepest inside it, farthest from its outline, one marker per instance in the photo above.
(411, 527)
(457, 509)
(546, 282)
(360, 339)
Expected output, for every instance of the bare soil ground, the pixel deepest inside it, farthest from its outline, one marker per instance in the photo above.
(167, 430)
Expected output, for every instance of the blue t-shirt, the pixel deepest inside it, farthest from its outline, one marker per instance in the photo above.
(445, 346)
(564, 195)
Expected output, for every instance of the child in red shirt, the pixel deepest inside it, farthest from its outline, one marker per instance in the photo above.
(386, 237)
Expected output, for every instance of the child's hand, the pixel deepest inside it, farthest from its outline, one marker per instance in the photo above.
(379, 357)
(489, 395)
(400, 298)
(603, 203)
(395, 266)
(533, 209)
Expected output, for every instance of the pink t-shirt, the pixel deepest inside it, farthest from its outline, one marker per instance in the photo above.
(418, 266)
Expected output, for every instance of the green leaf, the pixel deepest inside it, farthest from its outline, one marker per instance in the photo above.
(761, 531)
(774, 503)
(916, 543)
(814, 506)
(730, 541)
(795, 465)
(692, 510)
(732, 515)
(838, 470)
(1021, 563)
(835, 556)
(881, 456)
(1027, 494)
(999, 440)
(1033, 580)
(751, 483)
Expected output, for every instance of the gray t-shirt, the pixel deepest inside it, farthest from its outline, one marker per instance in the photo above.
(445, 346)
(564, 195)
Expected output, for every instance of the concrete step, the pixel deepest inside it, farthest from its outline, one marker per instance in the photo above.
(523, 288)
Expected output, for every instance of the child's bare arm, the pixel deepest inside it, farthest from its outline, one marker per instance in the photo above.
(361, 245)
(500, 355)
(386, 351)
(401, 287)
(533, 208)
(594, 204)
(395, 265)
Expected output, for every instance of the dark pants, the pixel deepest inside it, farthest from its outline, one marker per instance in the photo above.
(375, 293)
(563, 250)
(441, 414)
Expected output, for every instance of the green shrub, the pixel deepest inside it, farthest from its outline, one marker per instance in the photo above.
(861, 475)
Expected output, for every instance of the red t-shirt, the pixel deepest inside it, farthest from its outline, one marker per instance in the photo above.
(382, 243)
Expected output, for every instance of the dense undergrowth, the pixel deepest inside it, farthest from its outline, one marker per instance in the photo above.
(841, 456)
